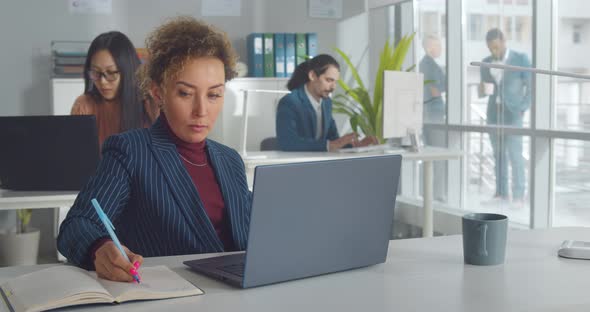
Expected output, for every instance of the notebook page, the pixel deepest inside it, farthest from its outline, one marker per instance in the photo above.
(53, 287)
(157, 282)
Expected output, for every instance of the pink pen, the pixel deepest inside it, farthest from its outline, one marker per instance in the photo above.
(133, 271)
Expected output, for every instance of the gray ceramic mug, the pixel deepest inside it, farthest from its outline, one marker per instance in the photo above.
(484, 238)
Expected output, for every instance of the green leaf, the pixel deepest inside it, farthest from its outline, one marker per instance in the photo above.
(354, 123)
(356, 102)
(353, 70)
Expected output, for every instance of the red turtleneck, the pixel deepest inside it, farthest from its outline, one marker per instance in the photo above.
(198, 165)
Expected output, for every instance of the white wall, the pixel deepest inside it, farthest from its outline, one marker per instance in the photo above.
(27, 27)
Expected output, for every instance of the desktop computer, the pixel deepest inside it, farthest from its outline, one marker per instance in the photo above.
(402, 106)
(402, 112)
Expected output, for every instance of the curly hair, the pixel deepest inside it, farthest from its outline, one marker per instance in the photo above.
(179, 41)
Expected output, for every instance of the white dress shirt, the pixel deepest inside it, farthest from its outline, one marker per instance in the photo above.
(498, 73)
(317, 106)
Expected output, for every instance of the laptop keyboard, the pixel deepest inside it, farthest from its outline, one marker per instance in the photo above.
(235, 269)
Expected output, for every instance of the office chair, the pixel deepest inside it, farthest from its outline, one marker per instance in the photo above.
(269, 144)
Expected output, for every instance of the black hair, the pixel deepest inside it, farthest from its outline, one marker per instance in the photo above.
(494, 34)
(318, 64)
(127, 61)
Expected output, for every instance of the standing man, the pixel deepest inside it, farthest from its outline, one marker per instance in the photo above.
(304, 117)
(509, 98)
(434, 107)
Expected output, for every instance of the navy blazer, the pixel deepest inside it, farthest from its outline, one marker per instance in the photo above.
(296, 123)
(146, 191)
(515, 90)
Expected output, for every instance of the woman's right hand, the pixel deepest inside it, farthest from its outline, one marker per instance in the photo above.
(110, 263)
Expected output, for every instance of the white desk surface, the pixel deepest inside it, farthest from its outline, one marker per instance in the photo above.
(275, 157)
(424, 274)
(35, 199)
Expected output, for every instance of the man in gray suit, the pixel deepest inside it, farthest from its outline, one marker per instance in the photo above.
(434, 106)
(509, 98)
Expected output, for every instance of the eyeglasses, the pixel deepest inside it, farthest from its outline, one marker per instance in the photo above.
(108, 75)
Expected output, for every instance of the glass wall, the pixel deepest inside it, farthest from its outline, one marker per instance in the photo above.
(431, 55)
(496, 134)
(497, 32)
(513, 20)
(572, 96)
(571, 111)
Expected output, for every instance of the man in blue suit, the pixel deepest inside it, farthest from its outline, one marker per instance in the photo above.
(509, 98)
(304, 117)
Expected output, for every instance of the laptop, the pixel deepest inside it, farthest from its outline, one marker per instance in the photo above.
(47, 153)
(313, 218)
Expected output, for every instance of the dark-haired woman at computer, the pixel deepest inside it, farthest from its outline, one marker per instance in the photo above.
(111, 90)
(168, 189)
(304, 117)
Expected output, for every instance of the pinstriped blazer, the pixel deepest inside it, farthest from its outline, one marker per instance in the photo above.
(149, 196)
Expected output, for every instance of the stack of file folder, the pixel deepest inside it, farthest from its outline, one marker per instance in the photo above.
(68, 58)
(277, 54)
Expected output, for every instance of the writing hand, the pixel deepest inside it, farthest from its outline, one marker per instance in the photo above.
(111, 265)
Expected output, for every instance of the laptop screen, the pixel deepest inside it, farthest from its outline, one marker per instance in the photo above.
(47, 152)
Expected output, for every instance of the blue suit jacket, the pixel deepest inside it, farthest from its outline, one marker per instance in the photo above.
(296, 123)
(514, 89)
(145, 190)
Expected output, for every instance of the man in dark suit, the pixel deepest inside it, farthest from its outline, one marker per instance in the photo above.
(304, 117)
(509, 97)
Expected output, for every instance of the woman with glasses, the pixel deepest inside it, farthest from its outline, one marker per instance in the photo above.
(112, 92)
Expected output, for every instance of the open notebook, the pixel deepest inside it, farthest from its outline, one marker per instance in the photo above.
(62, 286)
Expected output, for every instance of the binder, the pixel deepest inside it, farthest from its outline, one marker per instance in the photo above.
(300, 48)
(255, 55)
(279, 50)
(269, 57)
(289, 54)
(312, 44)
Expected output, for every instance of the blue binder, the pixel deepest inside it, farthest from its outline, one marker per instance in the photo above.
(255, 55)
(279, 42)
(312, 44)
(289, 54)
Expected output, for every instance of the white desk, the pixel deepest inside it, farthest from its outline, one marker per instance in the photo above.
(424, 274)
(427, 155)
(35, 199)
(62, 200)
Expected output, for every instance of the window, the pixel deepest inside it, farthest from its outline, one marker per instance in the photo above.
(497, 161)
(476, 124)
(475, 27)
(577, 34)
(572, 96)
(572, 183)
(522, 28)
(429, 22)
(508, 29)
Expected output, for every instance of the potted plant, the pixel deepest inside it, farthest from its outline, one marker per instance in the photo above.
(363, 111)
(20, 247)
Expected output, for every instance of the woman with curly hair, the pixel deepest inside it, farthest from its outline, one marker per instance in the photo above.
(168, 189)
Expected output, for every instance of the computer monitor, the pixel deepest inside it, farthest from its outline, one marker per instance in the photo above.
(47, 153)
(402, 105)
